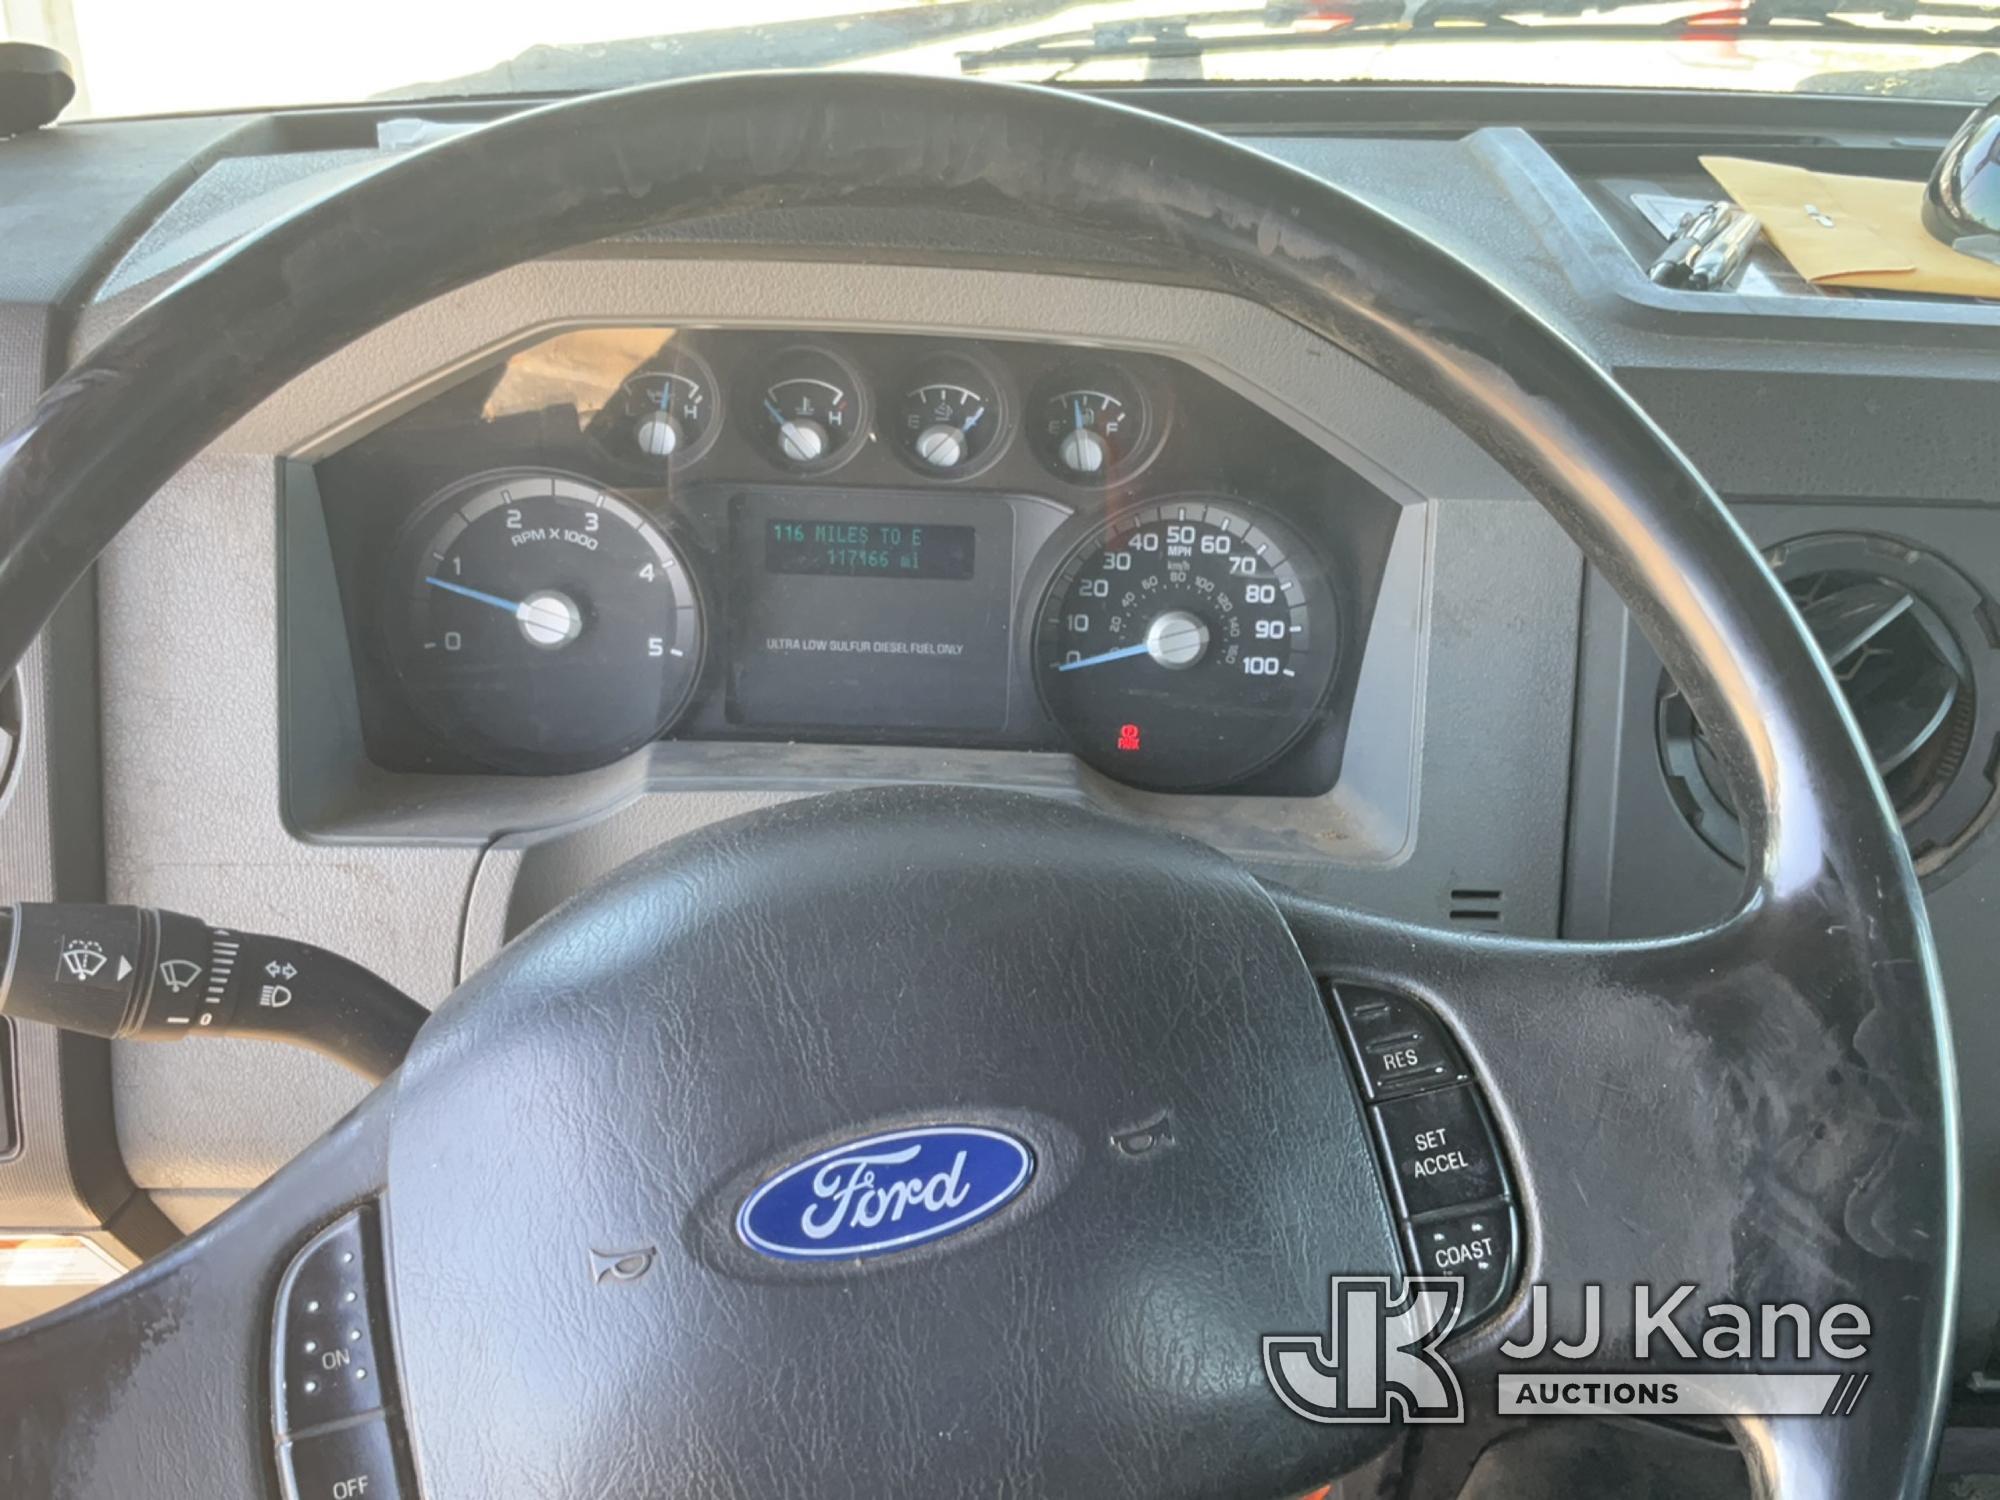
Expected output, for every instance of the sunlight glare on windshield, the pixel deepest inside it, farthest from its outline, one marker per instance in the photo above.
(175, 56)
(138, 57)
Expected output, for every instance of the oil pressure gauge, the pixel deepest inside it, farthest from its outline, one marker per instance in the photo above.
(664, 415)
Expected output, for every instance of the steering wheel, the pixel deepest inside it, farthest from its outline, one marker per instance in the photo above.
(564, 1298)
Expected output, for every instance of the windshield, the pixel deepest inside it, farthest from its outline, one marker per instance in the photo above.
(175, 56)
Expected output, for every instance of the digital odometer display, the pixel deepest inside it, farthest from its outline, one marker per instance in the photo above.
(865, 609)
(867, 549)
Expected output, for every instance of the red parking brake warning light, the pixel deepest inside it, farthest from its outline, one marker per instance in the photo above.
(1128, 736)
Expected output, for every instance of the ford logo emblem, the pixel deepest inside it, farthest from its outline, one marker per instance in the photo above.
(885, 1192)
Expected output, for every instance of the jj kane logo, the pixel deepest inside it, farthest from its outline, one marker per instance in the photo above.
(1380, 1359)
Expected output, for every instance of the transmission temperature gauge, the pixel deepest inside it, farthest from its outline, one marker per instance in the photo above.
(954, 417)
(1187, 645)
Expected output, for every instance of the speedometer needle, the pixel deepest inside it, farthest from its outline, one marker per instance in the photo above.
(1103, 656)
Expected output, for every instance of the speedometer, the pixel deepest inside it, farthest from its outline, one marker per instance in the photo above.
(1187, 645)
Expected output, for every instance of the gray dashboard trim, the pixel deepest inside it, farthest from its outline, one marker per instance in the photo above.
(189, 678)
(1331, 397)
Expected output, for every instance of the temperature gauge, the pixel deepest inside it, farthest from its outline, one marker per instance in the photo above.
(953, 417)
(1092, 424)
(666, 413)
(813, 408)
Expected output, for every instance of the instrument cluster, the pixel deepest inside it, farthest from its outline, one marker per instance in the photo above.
(622, 535)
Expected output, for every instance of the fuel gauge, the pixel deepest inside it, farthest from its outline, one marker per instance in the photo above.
(1092, 424)
(814, 408)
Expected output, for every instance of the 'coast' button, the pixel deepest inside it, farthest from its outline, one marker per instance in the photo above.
(1479, 1245)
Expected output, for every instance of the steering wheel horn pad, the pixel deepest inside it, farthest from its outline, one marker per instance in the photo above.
(826, 970)
(1766, 1109)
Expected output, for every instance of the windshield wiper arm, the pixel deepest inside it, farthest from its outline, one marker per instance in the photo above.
(1300, 26)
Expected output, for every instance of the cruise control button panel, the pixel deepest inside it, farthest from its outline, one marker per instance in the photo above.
(333, 1389)
(1446, 1172)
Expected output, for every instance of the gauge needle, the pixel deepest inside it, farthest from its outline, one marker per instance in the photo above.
(1103, 656)
(458, 588)
(542, 612)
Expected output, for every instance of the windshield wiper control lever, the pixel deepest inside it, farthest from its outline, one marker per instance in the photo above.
(136, 974)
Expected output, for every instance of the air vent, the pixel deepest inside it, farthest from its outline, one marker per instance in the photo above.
(1474, 905)
(1910, 641)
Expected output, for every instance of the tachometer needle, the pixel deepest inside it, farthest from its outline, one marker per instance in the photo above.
(1103, 656)
(547, 618)
(493, 599)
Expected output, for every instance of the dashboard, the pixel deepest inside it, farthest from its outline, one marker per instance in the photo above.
(263, 709)
(616, 535)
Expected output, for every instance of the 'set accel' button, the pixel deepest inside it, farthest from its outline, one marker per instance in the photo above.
(1441, 1153)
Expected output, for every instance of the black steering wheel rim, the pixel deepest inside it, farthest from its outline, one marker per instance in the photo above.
(1834, 923)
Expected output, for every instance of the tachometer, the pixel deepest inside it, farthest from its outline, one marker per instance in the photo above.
(541, 623)
(1187, 645)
